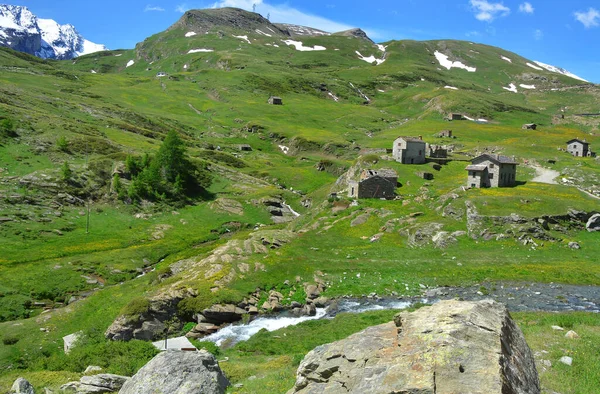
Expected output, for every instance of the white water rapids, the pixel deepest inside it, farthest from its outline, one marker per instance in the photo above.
(242, 332)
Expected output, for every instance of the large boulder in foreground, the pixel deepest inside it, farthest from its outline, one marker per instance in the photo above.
(181, 372)
(450, 347)
(593, 224)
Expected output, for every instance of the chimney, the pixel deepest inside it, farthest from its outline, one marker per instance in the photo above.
(421, 137)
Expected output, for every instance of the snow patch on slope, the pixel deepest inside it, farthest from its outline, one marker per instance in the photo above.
(450, 87)
(300, 46)
(511, 88)
(444, 62)
(559, 70)
(263, 33)
(371, 59)
(527, 86)
(506, 58)
(130, 63)
(190, 34)
(200, 50)
(535, 67)
(245, 38)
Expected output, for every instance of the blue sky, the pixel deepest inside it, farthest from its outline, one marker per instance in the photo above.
(558, 32)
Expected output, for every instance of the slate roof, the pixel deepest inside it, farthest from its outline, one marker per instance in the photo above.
(476, 167)
(411, 139)
(578, 140)
(500, 159)
(384, 173)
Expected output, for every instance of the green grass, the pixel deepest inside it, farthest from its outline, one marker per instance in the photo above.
(210, 104)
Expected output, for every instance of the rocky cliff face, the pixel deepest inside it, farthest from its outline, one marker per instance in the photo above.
(22, 31)
(450, 347)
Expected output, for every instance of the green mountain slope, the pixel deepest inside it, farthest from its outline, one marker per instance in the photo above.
(78, 239)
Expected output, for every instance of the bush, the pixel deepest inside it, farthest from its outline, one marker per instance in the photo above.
(10, 340)
(136, 307)
(62, 144)
(7, 128)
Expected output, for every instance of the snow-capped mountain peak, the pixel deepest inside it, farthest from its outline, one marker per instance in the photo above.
(21, 30)
(559, 70)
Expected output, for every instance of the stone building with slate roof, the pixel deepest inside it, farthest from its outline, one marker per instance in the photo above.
(409, 150)
(374, 184)
(490, 170)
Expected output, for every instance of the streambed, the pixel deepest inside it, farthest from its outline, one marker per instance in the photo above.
(516, 296)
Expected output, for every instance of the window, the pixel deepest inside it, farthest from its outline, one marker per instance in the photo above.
(472, 185)
(491, 165)
(419, 153)
(491, 176)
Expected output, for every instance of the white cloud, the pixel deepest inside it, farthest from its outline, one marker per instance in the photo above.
(589, 19)
(487, 12)
(153, 8)
(182, 8)
(538, 34)
(282, 13)
(526, 8)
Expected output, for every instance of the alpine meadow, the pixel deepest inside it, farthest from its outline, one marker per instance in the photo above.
(230, 173)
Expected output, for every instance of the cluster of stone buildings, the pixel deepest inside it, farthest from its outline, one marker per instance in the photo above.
(486, 170)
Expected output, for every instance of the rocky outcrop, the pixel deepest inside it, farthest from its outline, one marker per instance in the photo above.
(450, 347)
(96, 384)
(179, 372)
(593, 224)
(21, 386)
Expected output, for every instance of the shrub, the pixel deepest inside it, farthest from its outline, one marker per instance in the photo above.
(10, 340)
(66, 172)
(62, 144)
(136, 307)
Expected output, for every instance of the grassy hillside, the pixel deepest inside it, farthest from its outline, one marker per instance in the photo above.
(76, 238)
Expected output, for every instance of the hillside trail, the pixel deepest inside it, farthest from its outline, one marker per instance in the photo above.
(545, 175)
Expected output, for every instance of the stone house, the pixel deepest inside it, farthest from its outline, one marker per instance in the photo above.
(274, 100)
(579, 148)
(445, 134)
(454, 116)
(374, 184)
(245, 148)
(438, 152)
(409, 150)
(529, 126)
(490, 170)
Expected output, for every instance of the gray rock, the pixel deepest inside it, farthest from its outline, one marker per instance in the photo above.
(96, 384)
(566, 360)
(574, 245)
(92, 368)
(362, 219)
(22, 386)
(223, 314)
(178, 372)
(450, 347)
(593, 224)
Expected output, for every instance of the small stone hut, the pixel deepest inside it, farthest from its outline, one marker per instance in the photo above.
(529, 126)
(455, 116)
(438, 152)
(579, 148)
(490, 170)
(245, 148)
(409, 150)
(374, 184)
(274, 100)
(445, 134)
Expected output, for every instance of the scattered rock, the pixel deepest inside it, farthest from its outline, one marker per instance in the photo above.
(362, 219)
(566, 360)
(179, 372)
(96, 384)
(223, 313)
(91, 369)
(574, 245)
(458, 346)
(557, 328)
(22, 386)
(571, 335)
(593, 224)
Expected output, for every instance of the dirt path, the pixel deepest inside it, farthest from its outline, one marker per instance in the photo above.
(545, 175)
